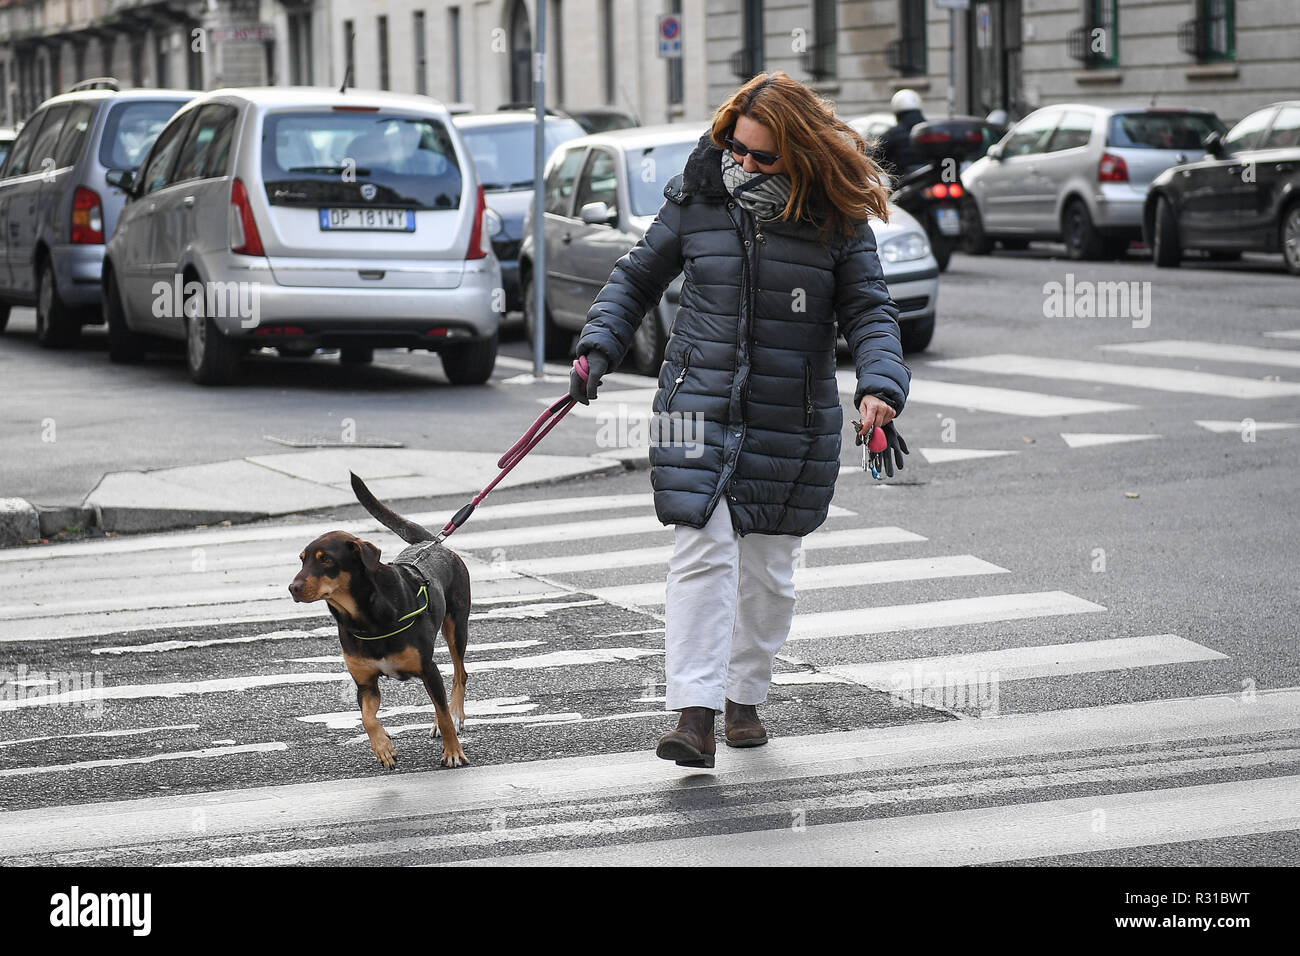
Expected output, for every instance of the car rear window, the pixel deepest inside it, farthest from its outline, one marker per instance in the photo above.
(130, 130)
(1162, 130)
(648, 172)
(503, 153)
(319, 158)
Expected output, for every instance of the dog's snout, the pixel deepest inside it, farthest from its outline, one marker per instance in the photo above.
(295, 588)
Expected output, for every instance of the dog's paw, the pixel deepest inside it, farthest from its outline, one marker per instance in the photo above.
(435, 731)
(454, 758)
(385, 752)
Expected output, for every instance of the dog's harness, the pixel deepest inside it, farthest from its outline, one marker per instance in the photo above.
(413, 617)
(415, 557)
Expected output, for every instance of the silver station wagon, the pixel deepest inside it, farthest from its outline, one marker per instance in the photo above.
(302, 219)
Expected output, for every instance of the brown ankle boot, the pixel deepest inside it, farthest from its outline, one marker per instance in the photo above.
(744, 729)
(692, 744)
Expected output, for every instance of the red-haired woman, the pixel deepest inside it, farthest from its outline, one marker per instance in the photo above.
(769, 222)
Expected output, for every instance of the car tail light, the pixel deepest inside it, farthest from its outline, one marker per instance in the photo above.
(955, 191)
(87, 217)
(244, 237)
(479, 242)
(1112, 169)
(939, 190)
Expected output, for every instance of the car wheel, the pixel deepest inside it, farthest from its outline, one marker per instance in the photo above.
(1290, 234)
(57, 326)
(471, 363)
(1082, 240)
(557, 340)
(916, 335)
(4, 315)
(1164, 247)
(124, 346)
(973, 240)
(356, 355)
(212, 358)
(649, 342)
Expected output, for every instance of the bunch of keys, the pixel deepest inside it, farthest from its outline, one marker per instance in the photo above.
(873, 445)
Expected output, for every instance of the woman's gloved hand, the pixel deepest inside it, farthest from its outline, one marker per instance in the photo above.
(895, 448)
(585, 390)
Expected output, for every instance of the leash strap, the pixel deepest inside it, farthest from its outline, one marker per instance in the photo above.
(526, 443)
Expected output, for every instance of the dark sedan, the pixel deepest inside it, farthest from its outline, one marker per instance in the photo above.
(1244, 196)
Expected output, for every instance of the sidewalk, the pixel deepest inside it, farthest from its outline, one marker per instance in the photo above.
(248, 489)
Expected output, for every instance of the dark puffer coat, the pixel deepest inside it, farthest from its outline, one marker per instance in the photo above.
(752, 351)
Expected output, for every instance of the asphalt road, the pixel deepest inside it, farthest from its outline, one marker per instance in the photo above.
(1134, 603)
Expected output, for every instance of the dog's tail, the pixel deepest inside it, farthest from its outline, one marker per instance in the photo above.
(408, 531)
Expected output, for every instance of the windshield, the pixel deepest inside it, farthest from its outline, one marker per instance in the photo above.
(648, 172)
(1162, 130)
(131, 129)
(344, 157)
(503, 154)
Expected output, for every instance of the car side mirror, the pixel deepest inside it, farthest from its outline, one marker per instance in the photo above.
(123, 179)
(1214, 145)
(995, 152)
(598, 212)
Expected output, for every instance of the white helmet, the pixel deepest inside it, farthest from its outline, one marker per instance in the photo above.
(997, 118)
(905, 100)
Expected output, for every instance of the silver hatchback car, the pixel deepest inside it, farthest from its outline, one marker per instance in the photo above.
(301, 219)
(1077, 173)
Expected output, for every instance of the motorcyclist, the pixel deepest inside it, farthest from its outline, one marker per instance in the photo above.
(897, 154)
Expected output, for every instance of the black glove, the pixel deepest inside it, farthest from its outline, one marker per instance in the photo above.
(582, 391)
(881, 460)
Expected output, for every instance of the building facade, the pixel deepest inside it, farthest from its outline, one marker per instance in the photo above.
(1228, 55)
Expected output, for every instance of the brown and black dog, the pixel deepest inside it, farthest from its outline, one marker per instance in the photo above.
(389, 616)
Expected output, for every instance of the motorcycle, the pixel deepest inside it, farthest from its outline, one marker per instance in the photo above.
(933, 192)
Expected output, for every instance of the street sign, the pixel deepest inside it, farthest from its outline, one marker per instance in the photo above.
(670, 35)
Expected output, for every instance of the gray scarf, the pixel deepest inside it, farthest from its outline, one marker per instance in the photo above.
(763, 194)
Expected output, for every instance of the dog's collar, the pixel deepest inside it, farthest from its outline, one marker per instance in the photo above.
(413, 617)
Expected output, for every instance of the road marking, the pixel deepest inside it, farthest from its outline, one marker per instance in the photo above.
(829, 576)
(491, 707)
(159, 647)
(204, 754)
(985, 398)
(937, 456)
(1220, 427)
(1129, 376)
(130, 732)
(1284, 334)
(1089, 439)
(1211, 352)
(561, 372)
(953, 613)
(972, 837)
(920, 676)
(380, 797)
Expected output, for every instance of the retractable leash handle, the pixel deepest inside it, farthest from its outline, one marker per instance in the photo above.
(515, 454)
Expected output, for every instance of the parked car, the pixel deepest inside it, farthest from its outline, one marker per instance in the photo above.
(602, 119)
(1077, 173)
(1243, 196)
(302, 219)
(57, 206)
(603, 192)
(502, 146)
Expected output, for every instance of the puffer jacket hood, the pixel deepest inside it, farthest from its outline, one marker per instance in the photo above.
(748, 405)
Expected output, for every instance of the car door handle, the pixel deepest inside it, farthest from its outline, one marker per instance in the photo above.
(187, 201)
(566, 238)
(153, 206)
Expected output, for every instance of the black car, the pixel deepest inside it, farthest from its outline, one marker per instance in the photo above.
(1243, 196)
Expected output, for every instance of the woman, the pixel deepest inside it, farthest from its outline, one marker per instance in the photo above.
(769, 221)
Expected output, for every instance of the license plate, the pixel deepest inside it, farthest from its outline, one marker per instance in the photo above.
(949, 221)
(368, 220)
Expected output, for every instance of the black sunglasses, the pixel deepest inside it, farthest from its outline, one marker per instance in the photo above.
(760, 157)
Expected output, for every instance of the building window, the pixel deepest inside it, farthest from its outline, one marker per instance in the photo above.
(748, 60)
(557, 48)
(521, 55)
(193, 61)
(300, 65)
(421, 63)
(137, 62)
(161, 77)
(819, 58)
(106, 44)
(349, 53)
(908, 54)
(383, 52)
(453, 34)
(1212, 34)
(1096, 43)
(607, 39)
(676, 72)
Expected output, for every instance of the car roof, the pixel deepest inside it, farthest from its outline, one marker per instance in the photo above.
(276, 96)
(84, 96)
(504, 118)
(640, 137)
(1111, 108)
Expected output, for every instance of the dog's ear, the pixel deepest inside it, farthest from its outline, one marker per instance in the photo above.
(367, 552)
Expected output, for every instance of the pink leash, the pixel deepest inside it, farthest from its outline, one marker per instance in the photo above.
(530, 439)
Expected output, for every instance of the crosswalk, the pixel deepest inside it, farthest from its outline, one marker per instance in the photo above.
(163, 700)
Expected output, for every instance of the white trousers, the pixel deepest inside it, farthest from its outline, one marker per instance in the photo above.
(730, 601)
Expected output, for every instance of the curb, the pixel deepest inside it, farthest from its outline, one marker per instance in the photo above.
(19, 521)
